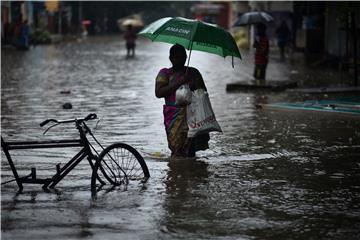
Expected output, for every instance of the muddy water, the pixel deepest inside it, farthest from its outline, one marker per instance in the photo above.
(270, 175)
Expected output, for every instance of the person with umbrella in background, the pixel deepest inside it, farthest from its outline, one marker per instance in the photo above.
(130, 25)
(168, 81)
(261, 44)
(130, 39)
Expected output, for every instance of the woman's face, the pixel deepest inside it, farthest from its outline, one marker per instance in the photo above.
(178, 59)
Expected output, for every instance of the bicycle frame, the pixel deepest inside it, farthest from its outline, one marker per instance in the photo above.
(61, 172)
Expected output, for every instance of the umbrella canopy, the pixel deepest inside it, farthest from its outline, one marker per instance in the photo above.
(253, 18)
(135, 20)
(135, 23)
(193, 35)
(86, 22)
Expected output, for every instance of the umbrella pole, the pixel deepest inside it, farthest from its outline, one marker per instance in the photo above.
(188, 60)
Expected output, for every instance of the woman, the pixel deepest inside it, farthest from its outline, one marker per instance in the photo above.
(130, 38)
(168, 81)
(261, 54)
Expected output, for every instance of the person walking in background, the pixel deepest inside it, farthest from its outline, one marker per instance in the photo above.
(130, 38)
(282, 35)
(24, 36)
(261, 45)
(168, 81)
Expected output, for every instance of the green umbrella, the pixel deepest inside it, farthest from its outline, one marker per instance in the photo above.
(192, 35)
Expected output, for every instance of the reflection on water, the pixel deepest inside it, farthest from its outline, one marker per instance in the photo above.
(185, 183)
(270, 175)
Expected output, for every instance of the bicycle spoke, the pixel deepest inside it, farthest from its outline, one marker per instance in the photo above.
(128, 161)
(117, 157)
(113, 162)
(122, 158)
(112, 168)
(134, 176)
(112, 165)
(107, 169)
(133, 166)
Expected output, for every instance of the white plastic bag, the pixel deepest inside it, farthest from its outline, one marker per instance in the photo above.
(200, 115)
(183, 95)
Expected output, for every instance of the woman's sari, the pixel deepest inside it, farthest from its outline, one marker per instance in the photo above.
(175, 116)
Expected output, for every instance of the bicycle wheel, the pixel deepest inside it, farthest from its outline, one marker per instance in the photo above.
(119, 163)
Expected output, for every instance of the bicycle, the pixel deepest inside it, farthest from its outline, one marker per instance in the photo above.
(117, 163)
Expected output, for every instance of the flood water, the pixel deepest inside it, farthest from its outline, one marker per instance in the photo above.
(270, 174)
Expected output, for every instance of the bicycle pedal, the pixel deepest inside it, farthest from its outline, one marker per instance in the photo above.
(33, 173)
(58, 168)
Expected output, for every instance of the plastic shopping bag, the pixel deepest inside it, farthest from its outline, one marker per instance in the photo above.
(183, 95)
(200, 115)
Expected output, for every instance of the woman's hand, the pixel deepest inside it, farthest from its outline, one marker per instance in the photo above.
(182, 80)
(163, 90)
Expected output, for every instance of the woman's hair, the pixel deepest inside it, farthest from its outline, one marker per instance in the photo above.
(177, 49)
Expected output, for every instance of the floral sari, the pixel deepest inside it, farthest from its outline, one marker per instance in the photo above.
(175, 116)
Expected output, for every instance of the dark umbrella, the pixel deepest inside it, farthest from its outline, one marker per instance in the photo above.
(253, 18)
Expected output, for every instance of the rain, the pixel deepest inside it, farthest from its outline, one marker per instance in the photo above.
(286, 165)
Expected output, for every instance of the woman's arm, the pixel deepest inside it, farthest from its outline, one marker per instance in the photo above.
(162, 89)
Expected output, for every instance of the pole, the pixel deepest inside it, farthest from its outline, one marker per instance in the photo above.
(354, 32)
(189, 59)
(248, 36)
(80, 16)
(347, 40)
(60, 18)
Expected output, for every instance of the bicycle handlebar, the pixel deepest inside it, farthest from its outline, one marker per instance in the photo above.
(47, 121)
(91, 116)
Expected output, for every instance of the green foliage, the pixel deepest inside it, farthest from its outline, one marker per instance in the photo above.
(40, 36)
